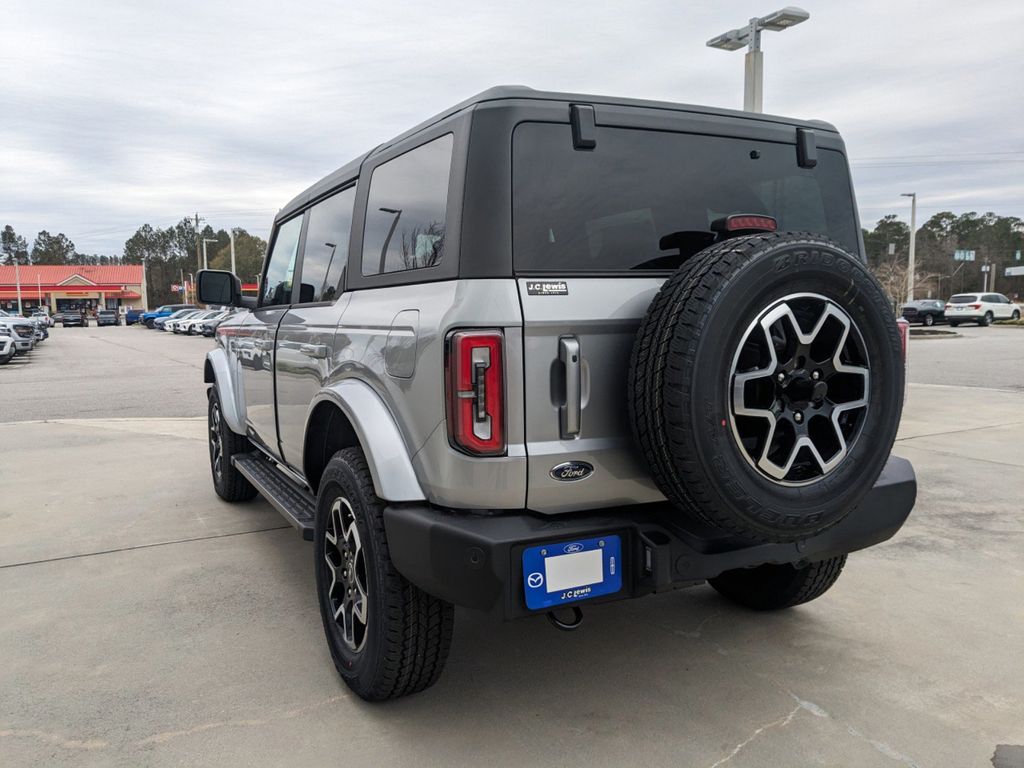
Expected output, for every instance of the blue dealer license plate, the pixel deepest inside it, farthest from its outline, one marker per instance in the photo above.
(568, 571)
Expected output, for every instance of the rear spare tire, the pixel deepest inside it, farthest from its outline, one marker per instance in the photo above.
(766, 385)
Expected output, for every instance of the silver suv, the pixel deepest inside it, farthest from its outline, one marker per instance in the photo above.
(545, 349)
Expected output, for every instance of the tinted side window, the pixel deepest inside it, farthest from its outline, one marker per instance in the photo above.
(991, 298)
(405, 210)
(326, 251)
(277, 286)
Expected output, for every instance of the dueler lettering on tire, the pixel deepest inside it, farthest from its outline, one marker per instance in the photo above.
(766, 385)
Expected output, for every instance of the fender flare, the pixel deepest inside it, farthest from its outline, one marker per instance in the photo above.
(217, 371)
(394, 478)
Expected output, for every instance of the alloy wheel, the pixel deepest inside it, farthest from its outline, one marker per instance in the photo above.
(216, 443)
(346, 563)
(799, 388)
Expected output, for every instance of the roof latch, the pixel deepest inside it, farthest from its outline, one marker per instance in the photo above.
(584, 126)
(806, 148)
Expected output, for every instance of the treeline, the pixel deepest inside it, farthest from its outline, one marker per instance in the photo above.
(996, 241)
(168, 254)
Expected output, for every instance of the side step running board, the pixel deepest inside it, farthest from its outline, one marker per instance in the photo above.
(288, 497)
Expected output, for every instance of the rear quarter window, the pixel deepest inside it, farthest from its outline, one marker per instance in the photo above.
(646, 199)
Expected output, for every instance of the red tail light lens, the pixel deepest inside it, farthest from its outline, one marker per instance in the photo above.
(475, 391)
(975, 306)
(904, 328)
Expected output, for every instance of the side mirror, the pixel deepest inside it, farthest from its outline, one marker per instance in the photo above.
(215, 286)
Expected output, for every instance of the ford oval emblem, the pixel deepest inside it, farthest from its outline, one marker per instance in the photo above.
(574, 547)
(570, 471)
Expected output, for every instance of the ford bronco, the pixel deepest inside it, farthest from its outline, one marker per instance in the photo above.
(549, 349)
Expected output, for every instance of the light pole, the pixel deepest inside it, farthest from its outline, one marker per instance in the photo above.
(231, 236)
(750, 36)
(913, 239)
(205, 241)
(17, 279)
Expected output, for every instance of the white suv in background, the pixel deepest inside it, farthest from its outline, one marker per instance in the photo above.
(980, 308)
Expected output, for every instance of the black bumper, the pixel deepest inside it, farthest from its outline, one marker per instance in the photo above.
(475, 560)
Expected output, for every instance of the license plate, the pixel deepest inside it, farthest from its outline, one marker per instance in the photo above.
(568, 571)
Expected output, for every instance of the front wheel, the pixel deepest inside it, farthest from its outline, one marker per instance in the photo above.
(953, 324)
(773, 587)
(387, 637)
(1015, 315)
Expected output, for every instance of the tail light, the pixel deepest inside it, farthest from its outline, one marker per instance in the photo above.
(475, 391)
(904, 328)
(975, 306)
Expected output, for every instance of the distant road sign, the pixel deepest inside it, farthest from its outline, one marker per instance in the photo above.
(963, 255)
(1014, 272)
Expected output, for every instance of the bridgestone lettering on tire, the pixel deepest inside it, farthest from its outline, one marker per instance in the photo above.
(766, 385)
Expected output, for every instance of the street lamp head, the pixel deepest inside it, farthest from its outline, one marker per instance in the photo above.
(732, 40)
(782, 19)
(908, 194)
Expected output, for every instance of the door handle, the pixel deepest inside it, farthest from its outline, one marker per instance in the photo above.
(318, 351)
(570, 412)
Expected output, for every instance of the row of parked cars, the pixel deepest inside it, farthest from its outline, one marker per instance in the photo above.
(185, 319)
(981, 308)
(19, 334)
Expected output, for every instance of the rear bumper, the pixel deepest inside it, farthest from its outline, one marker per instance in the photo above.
(475, 560)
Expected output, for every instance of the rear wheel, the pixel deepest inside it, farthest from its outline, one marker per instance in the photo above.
(228, 482)
(150, 324)
(771, 587)
(986, 320)
(929, 320)
(953, 324)
(387, 637)
(766, 385)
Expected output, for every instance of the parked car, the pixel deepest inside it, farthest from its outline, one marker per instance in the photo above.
(177, 325)
(545, 372)
(161, 322)
(925, 311)
(107, 317)
(132, 316)
(149, 318)
(7, 350)
(72, 318)
(192, 325)
(980, 308)
(43, 317)
(209, 327)
(21, 331)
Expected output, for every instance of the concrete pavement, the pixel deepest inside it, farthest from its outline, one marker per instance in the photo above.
(145, 622)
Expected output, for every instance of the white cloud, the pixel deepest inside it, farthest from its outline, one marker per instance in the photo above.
(117, 114)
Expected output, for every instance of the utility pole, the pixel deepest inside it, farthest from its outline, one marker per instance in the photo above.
(913, 240)
(184, 292)
(198, 262)
(205, 241)
(17, 279)
(231, 236)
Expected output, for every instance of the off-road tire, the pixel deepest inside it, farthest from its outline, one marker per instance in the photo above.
(408, 632)
(678, 386)
(772, 587)
(230, 485)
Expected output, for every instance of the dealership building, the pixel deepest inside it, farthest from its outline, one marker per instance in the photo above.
(73, 287)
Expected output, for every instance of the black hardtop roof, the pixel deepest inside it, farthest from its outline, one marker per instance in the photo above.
(509, 92)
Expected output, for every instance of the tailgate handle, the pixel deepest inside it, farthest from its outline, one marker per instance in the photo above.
(570, 411)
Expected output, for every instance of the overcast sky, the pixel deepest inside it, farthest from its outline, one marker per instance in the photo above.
(115, 114)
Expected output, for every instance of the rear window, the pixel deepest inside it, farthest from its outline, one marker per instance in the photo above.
(646, 199)
(964, 298)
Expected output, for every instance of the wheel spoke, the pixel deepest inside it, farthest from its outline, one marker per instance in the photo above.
(813, 384)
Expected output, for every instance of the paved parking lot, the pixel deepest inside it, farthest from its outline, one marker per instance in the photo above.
(147, 623)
